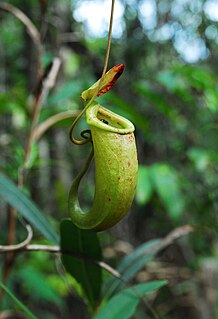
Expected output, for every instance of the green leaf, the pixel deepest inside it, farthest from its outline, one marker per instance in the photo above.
(17, 302)
(166, 183)
(123, 304)
(144, 186)
(16, 198)
(130, 265)
(86, 245)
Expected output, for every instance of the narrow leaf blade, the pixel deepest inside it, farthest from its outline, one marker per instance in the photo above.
(123, 304)
(16, 198)
(17, 302)
(130, 265)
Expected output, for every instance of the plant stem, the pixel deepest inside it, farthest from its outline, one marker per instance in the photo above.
(11, 238)
(109, 39)
(107, 54)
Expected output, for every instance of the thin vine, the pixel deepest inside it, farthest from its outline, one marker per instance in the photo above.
(86, 140)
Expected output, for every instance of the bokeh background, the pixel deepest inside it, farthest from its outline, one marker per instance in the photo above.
(169, 90)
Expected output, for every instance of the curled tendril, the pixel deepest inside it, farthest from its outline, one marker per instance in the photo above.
(21, 245)
(84, 135)
(85, 139)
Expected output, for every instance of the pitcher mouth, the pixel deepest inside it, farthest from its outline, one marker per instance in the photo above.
(100, 117)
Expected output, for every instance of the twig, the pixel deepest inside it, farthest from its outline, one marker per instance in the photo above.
(11, 238)
(12, 225)
(44, 126)
(10, 249)
(49, 79)
(169, 239)
(22, 245)
(8, 314)
(45, 84)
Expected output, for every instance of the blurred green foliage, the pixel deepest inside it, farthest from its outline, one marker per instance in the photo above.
(169, 90)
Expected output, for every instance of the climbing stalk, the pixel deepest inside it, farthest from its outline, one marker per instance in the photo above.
(84, 141)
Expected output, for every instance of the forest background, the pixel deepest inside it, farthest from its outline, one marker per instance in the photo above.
(169, 90)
